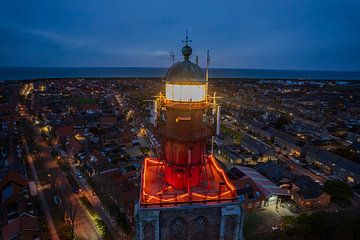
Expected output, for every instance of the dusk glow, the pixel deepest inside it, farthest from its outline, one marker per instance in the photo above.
(275, 34)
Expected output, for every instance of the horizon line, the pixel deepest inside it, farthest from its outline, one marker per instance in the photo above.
(211, 68)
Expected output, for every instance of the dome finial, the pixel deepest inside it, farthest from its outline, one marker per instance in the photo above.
(186, 41)
(186, 50)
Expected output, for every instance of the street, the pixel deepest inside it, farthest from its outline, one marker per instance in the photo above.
(84, 227)
(87, 191)
(50, 222)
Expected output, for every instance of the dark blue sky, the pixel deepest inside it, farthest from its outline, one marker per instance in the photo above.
(271, 34)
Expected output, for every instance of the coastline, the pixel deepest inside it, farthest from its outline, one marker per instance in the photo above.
(271, 80)
(39, 73)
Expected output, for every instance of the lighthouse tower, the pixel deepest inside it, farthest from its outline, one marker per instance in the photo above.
(184, 193)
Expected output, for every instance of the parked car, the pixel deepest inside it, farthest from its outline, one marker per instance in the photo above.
(275, 229)
(75, 189)
(78, 174)
(57, 200)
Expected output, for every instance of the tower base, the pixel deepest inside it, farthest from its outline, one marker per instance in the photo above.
(210, 210)
(198, 221)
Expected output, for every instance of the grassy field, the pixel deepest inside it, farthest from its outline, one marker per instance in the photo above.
(86, 100)
(228, 131)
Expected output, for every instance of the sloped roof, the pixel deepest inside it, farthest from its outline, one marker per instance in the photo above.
(65, 131)
(327, 157)
(265, 185)
(308, 188)
(108, 120)
(24, 222)
(274, 171)
(14, 177)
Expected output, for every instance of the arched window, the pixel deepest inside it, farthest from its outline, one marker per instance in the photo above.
(230, 226)
(149, 231)
(200, 228)
(179, 228)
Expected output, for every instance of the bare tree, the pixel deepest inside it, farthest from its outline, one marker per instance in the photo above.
(70, 209)
(69, 205)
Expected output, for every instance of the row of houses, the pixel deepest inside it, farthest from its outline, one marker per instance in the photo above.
(314, 153)
(254, 190)
(334, 165)
(94, 131)
(249, 151)
(18, 215)
(269, 184)
(303, 190)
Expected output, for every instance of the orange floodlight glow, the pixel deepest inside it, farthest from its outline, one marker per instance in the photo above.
(222, 172)
(153, 193)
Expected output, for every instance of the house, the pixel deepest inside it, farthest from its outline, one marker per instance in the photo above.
(353, 136)
(63, 133)
(257, 128)
(326, 143)
(73, 147)
(259, 149)
(307, 193)
(287, 143)
(355, 148)
(304, 191)
(338, 130)
(24, 227)
(335, 165)
(254, 190)
(108, 121)
(122, 187)
(277, 174)
(13, 187)
(90, 108)
(234, 155)
(97, 162)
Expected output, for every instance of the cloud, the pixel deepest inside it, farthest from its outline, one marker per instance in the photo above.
(158, 54)
(300, 34)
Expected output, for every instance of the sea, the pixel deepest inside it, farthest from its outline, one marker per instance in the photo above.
(27, 73)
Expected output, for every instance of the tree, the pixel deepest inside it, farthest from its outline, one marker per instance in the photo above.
(281, 121)
(322, 225)
(29, 131)
(252, 224)
(339, 191)
(70, 210)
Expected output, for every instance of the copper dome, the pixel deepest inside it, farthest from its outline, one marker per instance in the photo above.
(185, 72)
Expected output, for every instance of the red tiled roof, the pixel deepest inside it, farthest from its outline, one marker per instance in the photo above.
(65, 131)
(20, 226)
(108, 120)
(14, 177)
(73, 146)
(90, 106)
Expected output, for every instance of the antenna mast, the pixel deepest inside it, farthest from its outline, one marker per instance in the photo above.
(187, 40)
(207, 64)
(207, 70)
(172, 56)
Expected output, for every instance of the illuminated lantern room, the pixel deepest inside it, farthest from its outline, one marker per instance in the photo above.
(185, 81)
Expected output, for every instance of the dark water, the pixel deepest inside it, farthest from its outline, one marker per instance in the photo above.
(36, 73)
